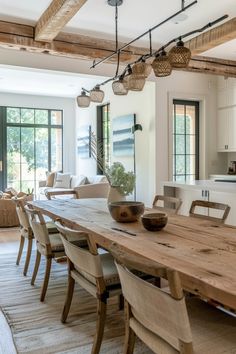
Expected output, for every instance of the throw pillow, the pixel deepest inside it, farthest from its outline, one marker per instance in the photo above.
(62, 180)
(78, 181)
(50, 178)
(11, 191)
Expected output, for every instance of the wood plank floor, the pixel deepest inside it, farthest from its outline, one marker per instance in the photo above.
(9, 243)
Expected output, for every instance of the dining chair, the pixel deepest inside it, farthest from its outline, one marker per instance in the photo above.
(224, 208)
(169, 204)
(26, 231)
(164, 320)
(48, 244)
(94, 272)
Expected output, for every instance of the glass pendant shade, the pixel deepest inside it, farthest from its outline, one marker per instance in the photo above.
(136, 82)
(179, 56)
(83, 100)
(119, 88)
(161, 65)
(97, 95)
(142, 68)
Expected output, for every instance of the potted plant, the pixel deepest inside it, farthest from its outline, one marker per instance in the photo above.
(122, 183)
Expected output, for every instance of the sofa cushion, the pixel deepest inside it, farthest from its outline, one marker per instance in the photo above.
(78, 181)
(62, 180)
(50, 178)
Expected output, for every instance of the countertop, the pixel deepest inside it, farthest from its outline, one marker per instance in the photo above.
(227, 187)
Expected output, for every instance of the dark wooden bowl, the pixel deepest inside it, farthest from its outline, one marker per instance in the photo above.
(154, 221)
(126, 211)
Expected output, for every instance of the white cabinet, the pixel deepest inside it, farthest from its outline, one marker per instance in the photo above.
(187, 196)
(226, 93)
(226, 130)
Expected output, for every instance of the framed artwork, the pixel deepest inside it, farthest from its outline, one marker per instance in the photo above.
(84, 142)
(123, 136)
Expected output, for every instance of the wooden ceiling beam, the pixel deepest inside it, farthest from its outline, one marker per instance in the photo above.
(21, 37)
(212, 38)
(55, 17)
(213, 66)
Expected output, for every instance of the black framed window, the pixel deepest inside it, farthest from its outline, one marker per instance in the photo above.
(103, 134)
(185, 140)
(32, 144)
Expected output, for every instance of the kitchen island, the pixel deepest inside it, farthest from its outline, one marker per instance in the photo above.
(220, 192)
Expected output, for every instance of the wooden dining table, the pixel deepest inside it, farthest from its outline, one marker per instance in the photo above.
(203, 252)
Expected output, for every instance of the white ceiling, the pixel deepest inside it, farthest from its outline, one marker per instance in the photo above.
(43, 82)
(135, 16)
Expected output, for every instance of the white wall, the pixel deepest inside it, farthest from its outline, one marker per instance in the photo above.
(143, 105)
(69, 108)
(192, 86)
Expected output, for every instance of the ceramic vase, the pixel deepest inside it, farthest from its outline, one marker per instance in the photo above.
(114, 195)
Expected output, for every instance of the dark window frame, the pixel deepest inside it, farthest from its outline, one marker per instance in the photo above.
(196, 105)
(100, 133)
(3, 134)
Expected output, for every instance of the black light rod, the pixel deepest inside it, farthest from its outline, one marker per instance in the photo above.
(199, 30)
(210, 24)
(144, 34)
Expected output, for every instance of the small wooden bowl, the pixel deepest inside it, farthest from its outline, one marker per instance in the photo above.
(154, 221)
(126, 211)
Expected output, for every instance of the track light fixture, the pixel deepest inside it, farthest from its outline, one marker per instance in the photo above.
(119, 87)
(83, 100)
(179, 55)
(161, 65)
(134, 75)
(96, 94)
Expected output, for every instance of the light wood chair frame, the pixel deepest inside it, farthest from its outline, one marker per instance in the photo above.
(88, 260)
(167, 201)
(42, 237)
(211, 205)
(175, 299)
(52, 194)
(26, 232)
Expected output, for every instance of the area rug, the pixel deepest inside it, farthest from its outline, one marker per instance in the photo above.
(36, 326)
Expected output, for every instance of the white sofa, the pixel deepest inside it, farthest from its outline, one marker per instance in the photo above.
(84, 186)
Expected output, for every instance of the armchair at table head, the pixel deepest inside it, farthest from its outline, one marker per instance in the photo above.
(160, 317)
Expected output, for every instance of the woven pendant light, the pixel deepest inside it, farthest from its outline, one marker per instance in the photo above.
(83, 100)
(97, 95)
(119, 87)
(161, 65)
(179, 55)
(136, 82)
(142, 68)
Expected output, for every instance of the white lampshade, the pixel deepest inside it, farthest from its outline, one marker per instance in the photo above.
(119, 88)
(97, 95)
(83, 100)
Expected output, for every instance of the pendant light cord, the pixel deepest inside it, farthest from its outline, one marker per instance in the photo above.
(117, 50)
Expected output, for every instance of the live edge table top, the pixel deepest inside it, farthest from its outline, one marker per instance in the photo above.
(203, 252)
